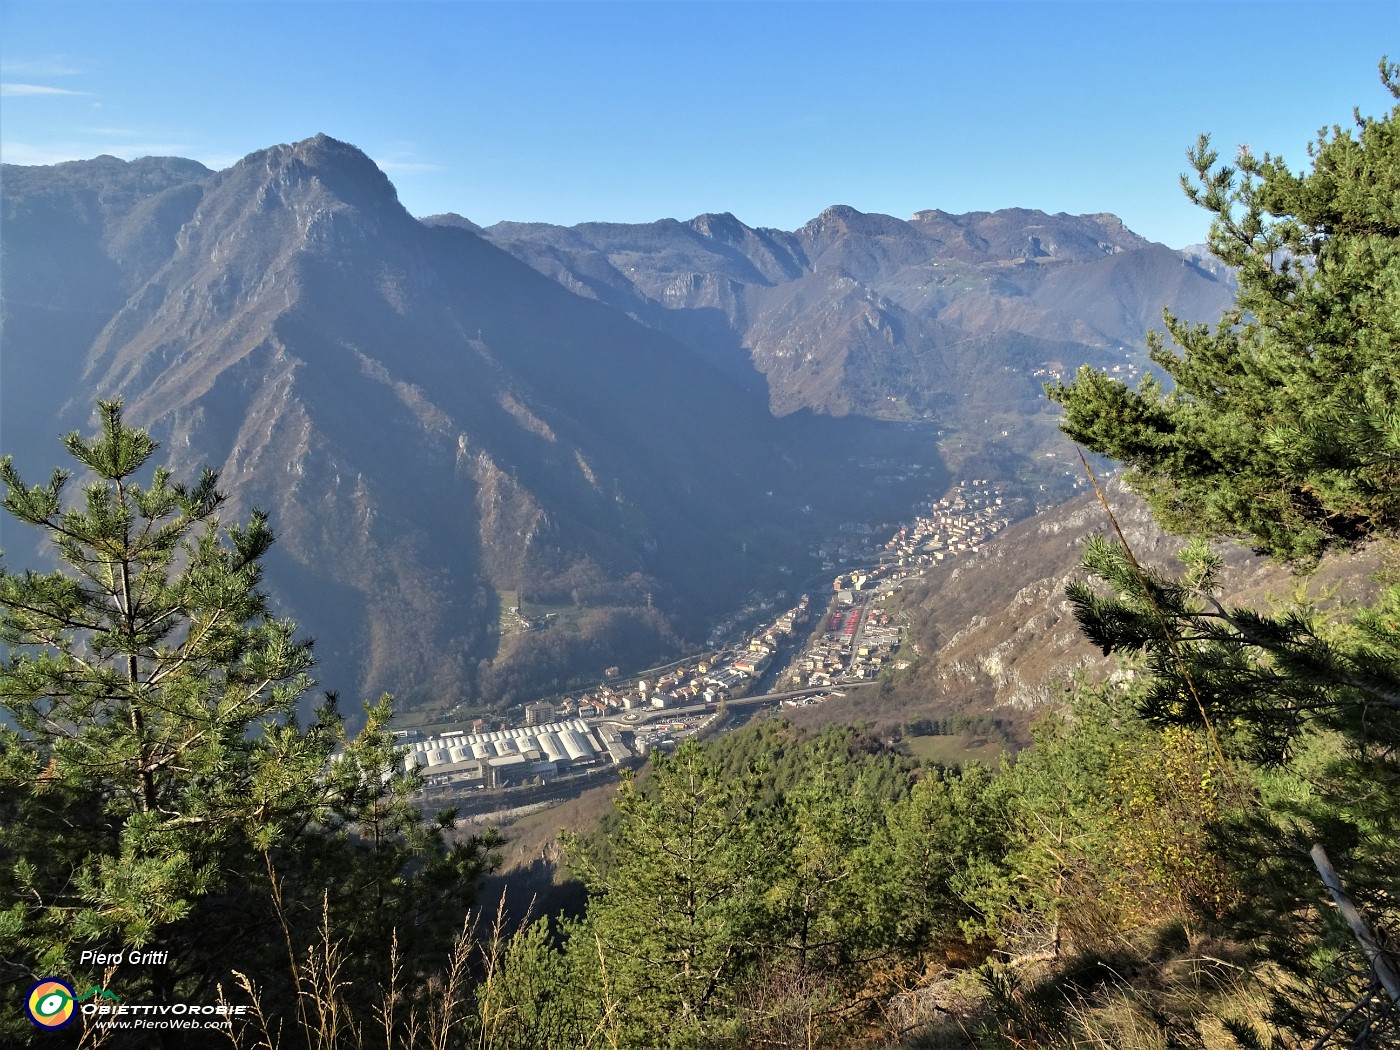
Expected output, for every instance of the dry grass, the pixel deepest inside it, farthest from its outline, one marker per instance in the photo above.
(332, 1015)
(535, 836)
(1172, 991)
(956, 750)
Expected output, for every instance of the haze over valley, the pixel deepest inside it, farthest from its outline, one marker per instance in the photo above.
(636, 427)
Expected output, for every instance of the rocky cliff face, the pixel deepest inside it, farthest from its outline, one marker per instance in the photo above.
(995, 630)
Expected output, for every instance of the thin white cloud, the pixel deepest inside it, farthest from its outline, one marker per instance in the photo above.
(9, 90)
(402, 157)
(41, 68)
(409, 167)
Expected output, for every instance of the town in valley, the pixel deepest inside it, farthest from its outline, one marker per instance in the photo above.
(825, 644)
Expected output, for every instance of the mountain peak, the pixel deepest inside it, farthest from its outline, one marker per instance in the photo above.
(722, 227)
(321, 148)
(842, 218)
(842, 213)
(451, 218)
(321, 163)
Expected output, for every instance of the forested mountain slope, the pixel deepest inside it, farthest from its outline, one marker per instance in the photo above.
(431, 424)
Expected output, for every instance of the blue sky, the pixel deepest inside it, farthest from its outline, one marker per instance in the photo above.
(568, 112)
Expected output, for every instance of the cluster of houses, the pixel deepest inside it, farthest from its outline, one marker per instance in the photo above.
(1127, 371)
(818, 665)
(679, 687)
(860, 640)
(737, 674)
(706, 681)
(856, 646)
(957, 524)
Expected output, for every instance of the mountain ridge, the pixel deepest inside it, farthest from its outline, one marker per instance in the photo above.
(955, 320)
(433, 424)
(440, 415)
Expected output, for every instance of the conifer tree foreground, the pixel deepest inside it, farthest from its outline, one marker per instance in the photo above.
(1282, 424)
(157, 788)
(1282, 429)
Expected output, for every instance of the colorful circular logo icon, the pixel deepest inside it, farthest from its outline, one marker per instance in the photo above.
(50, 1003)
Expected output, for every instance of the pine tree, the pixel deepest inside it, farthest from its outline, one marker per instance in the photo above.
(1281, 424)
(677, 903)
(158, 788)
(1280, 428)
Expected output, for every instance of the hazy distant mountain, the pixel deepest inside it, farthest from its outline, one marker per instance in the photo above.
(431, 423)
(437, 427)
(76, 241)
(1201, 255)
(957, 318)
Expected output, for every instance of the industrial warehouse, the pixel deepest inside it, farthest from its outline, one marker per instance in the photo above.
(516, 756)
